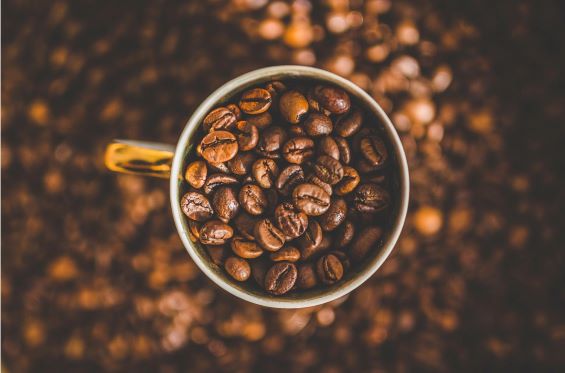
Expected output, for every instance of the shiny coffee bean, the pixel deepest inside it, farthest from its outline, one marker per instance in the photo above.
(255, 101)
(253, 199)
(330, 98)
(329, 269)
(268, 236)
(261, 121)
(218, 254)
(293, 106)
(280, 278)
(245, 249)
(373, 149)
(335, 215)
(237, 268)
(235, 110)
(349, 181)
(219, 167)
(215, 232)
(311, 199)
(196, 206)
(344, 234)
(196, 173)
(219, 146)
(313, 179)
(328, 169)
(328, 146)
(371, 198)
(367, 239)
(310, 240)
(245, 224)
(306, 278)
(225, 203)
(343, 258)
(317, 124)
(344, 149)
(289, 178)
(194, 229)
(348, 124)
(286, 254)
(248, 135)
(271, 142)
(215, 181)
(292, 222)
(241, 163)
(219, 119)
(265, 171)
(298, 149)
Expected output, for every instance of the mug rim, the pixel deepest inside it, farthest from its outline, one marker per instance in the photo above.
(248, 79)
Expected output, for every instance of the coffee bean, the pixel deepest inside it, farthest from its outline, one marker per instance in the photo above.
(194, 229)
(328, 146)
(328, 169)
(289, 178)
(296, 130)
(329, 269)
(237, 268)
(344, 234)
(196, 174)
(245, 249)
(265, 171)
(330, 98)
(344, 149)
(317, 124)
(219, 167)
(348, 124)
(255, 101)
(253, 199)
(306, 277)
(280, 278)
(271, 142)
(373, 149)
(219, 119)
(298, 149)
(248, 135)
(371, 198)
(241, 163)
(245, 223)
(293, 223)
(235, 110)
(343, 258)
(367, 239)
(268, 236)
(261, 121)
(326, 243)
(215, 232)
(217, 180)
(335, 215)
(311, 199)
(225, 203)
(293, 106)
(349, 181)
(364, 167)
(218, 146)
(286, 254)
(310, 240)
(313, 179)
(275, 88)
(196, 206)
(218, 254)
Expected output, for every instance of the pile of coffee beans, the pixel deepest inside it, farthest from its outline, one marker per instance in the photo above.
(290, 185)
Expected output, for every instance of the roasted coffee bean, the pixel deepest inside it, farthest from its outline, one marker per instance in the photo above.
(255, 101)
(313, 179)
(306, 278)
(328, 169)
(373, 149)
(253, 199)
(328, 146)
(218, 254)
(245, 248)
(349, 181)
(286, 254)
(371, 198)
(293, 106)
(245, 224)
(344, 149)
(275, 88)
(261, 121)
(217, 180)
(271, 142)
(329, 269)
(196, 206)
(367, 239)
(225, 203)
(298, 149)
(311, 199)
(194, 229)
(268, 236)
(215, 232)
(330, 98)
(364, 167)
(237, 268)
(234, 109)
(292, 222)
(219, 146)
(289, 178)
(196, 173)
(265, 171)
(310, 240)
(259, 268)
(280, 278)
(248, 135)
(219, 167)
(241, 163)
(348, 124)
(343, 258)
(335, 215)
(219, 119)
(317, 124)
(296, 130)
(344, 234)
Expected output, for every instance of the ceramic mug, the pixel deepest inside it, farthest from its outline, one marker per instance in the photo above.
(168, 161)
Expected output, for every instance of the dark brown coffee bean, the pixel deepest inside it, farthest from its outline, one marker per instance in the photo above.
(328, 169)
(280, 278)
(241, 163)
(215, 181)
(219, 146)
(373, 149)
(225, 203)
(318, 124)
(271, 142)
(265, 171)
(255, 101)
(286, 254)
(194, 229)
(328, 146)
(261, 121)
(298, 149)
(348, 124)
(248, 135)
(293, 106)
(292, 222)
(371, 198)
(245, 249)
(219, 167)
(335, 215)
(296, 130)
(245, 224)
(215, 232)
(196, 174)
(330, 98)
(253, 199)
(313, 179)
(311, 199)
(289, 178)
(196, 206)
(343, 258)
(344, 149)
(349, 181)
(275, 88)
(235, 110)
(219, 119)
(310, 240)
(344, 234)
(329, 269)
(367, 239)
(306, 278)
(218, 254)
(237, 268)
(364, 167)
(268, 236)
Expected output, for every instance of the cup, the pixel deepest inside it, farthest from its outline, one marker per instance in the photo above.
(168, 161)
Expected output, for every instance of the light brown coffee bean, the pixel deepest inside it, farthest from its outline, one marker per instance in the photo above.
(253, 199)
(219, 146)
(293, 106)
(255, 101)
(265, 171)
(196, 206)
(286, 254)
(219, 119)
(225, 203)
(311, 199)
(245, 249)
(248, 135)
(215, 232)
(268, 236)
(215, 181)
(237, 268)
(196, 173)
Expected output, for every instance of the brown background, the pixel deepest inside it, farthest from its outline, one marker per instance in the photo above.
(95, 278)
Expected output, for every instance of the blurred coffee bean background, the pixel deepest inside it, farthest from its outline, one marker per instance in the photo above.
(95, 278)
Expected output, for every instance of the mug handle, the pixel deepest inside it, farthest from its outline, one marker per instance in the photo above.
(140, 158)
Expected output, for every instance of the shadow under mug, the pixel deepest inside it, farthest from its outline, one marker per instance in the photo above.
(166, 161)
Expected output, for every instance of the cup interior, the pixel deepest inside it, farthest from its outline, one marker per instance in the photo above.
(358, 273)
